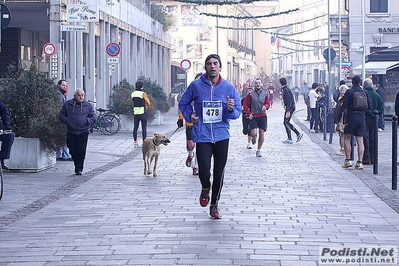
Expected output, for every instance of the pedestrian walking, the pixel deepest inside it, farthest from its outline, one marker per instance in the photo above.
(355, 123)
(380, 90)
(245, 123)
(339, 117)
(313, 96)
(289, 106)
(376, 104)
(78, 114)
(6, 139)
(141, 103)
(255, 105)
(63, 153)
(216, 101)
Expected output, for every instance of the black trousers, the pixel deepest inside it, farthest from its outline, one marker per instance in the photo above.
(77, 145)
(6, 143)
(368, 141)
(288, 126)
(137, 119)
(204, 152)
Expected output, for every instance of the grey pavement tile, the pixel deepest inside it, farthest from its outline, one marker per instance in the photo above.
(277, 210)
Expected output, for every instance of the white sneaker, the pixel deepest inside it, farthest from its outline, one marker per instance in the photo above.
(249, 146)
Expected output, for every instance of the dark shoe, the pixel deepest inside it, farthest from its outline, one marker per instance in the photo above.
(214, 212)
(78, 173)
(68, 159)
(367, 161)
(204, 197)
(299, 137)
(59, 159)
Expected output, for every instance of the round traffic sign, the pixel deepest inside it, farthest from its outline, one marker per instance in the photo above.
(49, 49)
(329, 52)
(113, 49)
(185, 64)
(5, 16)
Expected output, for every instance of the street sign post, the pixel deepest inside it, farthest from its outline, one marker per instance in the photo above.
(5, 17)
(113, 49)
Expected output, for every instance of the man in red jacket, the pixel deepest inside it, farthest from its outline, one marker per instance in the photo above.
(256, 104)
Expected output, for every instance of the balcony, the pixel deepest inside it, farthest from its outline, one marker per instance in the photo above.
(334, 28)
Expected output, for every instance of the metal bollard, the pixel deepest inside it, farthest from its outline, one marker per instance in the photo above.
(324, 123)
(353, 144)
(375, 150)
(394, 152)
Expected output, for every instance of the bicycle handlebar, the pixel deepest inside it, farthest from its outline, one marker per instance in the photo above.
(7, 131)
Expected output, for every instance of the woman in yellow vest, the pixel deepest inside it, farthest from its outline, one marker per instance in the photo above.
(140, 105)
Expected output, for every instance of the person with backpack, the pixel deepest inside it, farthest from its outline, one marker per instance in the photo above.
(356, 101)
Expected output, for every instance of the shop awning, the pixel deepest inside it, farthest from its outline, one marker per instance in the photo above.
(376, 68)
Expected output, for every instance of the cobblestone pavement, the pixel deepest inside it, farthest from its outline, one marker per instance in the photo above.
(277, 209)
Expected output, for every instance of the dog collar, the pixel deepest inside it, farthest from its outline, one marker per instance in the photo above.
(154, 142)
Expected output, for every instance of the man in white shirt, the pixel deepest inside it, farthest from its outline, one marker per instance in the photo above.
(312, 104)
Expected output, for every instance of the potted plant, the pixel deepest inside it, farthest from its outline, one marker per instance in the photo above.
(33, 102)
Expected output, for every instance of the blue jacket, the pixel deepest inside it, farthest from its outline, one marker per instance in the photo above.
(77, 117)
(201, 90)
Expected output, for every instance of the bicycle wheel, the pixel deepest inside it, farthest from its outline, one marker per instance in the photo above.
(1, 183)
(109, 124)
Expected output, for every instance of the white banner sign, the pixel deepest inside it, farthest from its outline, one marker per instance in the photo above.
(82, 13)
(73, 27)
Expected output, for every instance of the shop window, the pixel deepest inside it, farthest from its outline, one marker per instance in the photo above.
(378, 6)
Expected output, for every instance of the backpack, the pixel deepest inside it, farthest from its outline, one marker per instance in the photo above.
(359, 102)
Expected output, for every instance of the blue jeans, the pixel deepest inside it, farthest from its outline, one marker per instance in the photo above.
(63, 153)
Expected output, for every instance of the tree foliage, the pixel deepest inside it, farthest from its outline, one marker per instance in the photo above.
(34, 104)
(166, 19)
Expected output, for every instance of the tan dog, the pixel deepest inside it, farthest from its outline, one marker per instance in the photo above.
(151, 150)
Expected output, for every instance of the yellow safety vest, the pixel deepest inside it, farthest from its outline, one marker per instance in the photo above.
(139, 102)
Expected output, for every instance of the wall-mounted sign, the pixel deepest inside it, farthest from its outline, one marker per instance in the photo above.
(388, 30)
(82, 13)
(73, 27)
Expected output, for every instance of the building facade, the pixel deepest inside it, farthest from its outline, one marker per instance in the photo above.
(69, 39)
(201, 30)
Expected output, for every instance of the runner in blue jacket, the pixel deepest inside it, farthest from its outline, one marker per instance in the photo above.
(216, 101)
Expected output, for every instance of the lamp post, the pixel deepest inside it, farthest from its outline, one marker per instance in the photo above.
(363, 51)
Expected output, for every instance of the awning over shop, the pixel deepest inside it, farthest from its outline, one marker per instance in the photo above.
(376, 68)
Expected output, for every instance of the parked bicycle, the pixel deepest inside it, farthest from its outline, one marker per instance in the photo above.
(2, 132)
(107, 122)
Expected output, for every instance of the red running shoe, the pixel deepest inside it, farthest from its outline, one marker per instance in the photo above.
(204, 197)
(214, 212)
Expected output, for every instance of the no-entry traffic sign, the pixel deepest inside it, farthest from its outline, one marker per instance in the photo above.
(49, 49)
(185, 64)
(113, 49)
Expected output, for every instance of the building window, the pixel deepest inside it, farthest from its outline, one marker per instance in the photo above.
(378, 6)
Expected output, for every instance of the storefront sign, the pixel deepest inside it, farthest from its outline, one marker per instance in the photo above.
(388, 30)
(82, 13)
